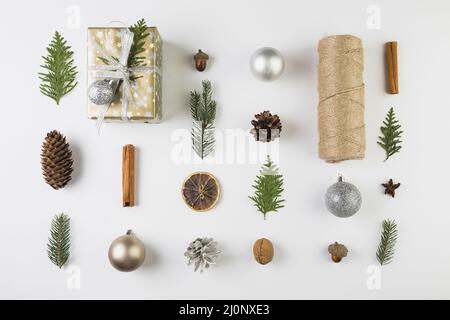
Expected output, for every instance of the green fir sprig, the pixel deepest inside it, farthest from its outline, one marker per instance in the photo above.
(58, 247)
(60, 73)
(135, 57)
(268, 189)
(391, 134)
(386, 248)
(203, 111)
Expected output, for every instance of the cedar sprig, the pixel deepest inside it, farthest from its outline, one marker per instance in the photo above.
(58, 247)
(60, 73)
(386, 248)
(203, 111)
(268, 189)
(391, 134)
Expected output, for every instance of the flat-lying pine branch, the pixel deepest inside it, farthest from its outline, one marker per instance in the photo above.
(203, 111)
(58, 247)
(386, 248)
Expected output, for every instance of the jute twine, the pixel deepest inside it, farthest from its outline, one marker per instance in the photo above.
(341, 98)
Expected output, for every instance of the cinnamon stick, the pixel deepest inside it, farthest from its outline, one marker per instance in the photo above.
(392, 66)
(128, 176)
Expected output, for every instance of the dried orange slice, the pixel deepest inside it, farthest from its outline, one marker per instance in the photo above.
(201, 191)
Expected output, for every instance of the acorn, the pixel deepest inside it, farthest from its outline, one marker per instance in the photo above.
(337, 251)
(201, 60)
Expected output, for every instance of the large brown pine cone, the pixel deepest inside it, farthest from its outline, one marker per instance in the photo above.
(56, 160)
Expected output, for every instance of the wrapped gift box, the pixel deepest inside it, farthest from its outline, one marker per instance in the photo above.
(146, 104)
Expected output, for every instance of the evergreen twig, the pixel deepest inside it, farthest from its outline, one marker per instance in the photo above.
(203, 111)
(391, 134)
(60, 76)
(386, 248)
(268, 189)
(58, 247)
(135, 57)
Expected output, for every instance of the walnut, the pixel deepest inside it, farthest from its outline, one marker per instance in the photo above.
(263, 251)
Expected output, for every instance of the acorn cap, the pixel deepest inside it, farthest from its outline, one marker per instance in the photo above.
(337, 250)
(200, 55)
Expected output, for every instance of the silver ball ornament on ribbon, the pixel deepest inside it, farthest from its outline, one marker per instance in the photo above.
(101, 92)
(126, 253)
(267, 64)
(343, 199)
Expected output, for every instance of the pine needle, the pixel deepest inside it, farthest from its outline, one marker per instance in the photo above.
(391, 134)
(60, 75)
(203, 111)
(268, 189)
(58, 247)
(386, 248)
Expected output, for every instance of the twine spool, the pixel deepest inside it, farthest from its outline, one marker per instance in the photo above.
(341, 98)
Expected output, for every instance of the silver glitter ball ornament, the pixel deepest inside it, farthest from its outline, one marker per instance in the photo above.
(267, 64)
(343, 199)
(101, 92)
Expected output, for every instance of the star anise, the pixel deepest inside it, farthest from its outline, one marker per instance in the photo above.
(389, 188)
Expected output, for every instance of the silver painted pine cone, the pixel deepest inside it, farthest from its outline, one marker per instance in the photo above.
(202, 252)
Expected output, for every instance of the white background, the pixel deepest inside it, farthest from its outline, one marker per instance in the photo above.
(229, 31)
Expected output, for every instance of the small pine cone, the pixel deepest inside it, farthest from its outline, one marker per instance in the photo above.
(270, 126)
(202, 252)
(56, 160)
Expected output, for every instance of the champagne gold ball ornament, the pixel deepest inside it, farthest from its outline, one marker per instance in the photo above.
(101, 92)
(267, 64)
(126, 253)
(343, 199)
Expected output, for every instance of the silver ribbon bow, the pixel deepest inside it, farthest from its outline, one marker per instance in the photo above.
(117, 70)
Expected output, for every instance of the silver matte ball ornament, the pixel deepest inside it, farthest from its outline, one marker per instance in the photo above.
(101, 92)
(267, 64)
(126, 253)
(343, 199)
